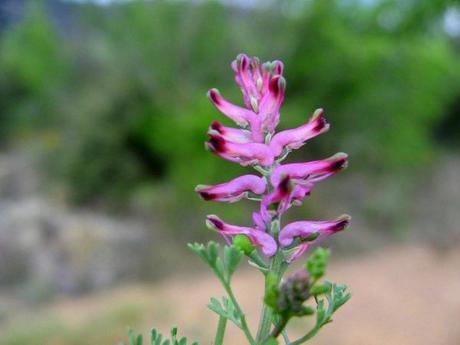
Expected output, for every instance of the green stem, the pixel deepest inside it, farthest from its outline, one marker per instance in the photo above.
(279, 327)
(276, 267)
(255, 257)
(285, 337)
(318, 325)
(308, 336)
(219, 339)
(244, 324)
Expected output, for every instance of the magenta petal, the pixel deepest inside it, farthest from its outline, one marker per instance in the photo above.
(258, 238)
(233, 190)
(241, 136)
(244, 154)
(266, 242)
(310, 172)
(259, 221)
(270, 104)
(285, 195)
(280, 197)
(296, 137)
(305, 229)
(299, 193)
(246, 75)
(240, 115)
(298, 252)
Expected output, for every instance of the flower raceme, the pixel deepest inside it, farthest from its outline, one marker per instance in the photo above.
(256, 144)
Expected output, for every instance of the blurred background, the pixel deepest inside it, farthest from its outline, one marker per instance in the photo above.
(103, 116)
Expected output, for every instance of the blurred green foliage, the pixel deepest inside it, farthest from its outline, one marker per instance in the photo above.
(117, 103)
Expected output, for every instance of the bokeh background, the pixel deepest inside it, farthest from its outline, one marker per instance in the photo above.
(103, 115)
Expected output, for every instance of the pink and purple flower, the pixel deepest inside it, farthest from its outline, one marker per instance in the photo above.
(256, 144)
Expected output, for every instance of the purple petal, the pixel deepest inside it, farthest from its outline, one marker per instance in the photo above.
(310, 172)
(231, 134)
(233, 190)
(280, 197)
(305, 229)
(259, 221)
(298, 252)
(258, 238)
(270, 104)
(296, 137)
(240, 115)
(246, 77)
(244, 154)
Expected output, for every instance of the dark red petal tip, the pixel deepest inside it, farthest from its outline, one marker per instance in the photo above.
(320, 124)
(207, 196)
(216, 222)
(279, 67)
(216, 125)
(214, 96)
(277, 85)
(342, 224)
(216, 142)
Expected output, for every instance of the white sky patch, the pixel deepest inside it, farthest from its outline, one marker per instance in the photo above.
(452, 22)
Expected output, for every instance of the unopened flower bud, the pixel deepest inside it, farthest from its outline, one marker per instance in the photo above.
(321, 288)
(243, 243)
(317, 263)
(293, 293)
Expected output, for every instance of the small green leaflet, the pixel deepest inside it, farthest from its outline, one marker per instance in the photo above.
(223, 268)
(156, 338)
(225, 309)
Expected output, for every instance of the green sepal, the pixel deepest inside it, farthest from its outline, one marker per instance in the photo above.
(243, 243)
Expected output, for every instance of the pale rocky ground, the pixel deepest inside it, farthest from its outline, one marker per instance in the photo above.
(401, 296)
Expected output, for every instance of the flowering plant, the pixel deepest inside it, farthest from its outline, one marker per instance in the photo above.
(268, 246)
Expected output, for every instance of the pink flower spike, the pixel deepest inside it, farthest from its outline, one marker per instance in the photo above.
(306, 229)
(244, 154)
(240, 115)
(233, 190)
(241, 136)
(270, 104)
(294, 138)
(258, 238)
(310, 172)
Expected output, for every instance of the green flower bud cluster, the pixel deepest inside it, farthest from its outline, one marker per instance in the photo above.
(288, 299)
(317, 263)
(293, 293)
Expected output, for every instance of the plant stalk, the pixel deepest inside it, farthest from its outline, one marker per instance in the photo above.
(276, 267)
(219, 339)
(244, 324)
